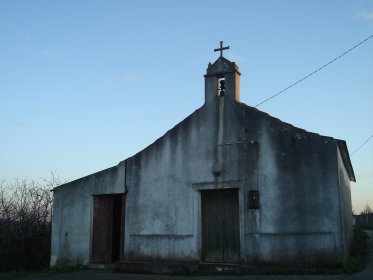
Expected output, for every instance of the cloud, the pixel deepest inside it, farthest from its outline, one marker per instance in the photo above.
(364, 15)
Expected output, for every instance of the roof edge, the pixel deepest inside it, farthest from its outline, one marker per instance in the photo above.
(85, 177)
(346, 159)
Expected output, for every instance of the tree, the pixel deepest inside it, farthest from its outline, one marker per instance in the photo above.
(25, 223)
(366, 211)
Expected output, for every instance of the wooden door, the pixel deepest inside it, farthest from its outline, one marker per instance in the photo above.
(108, 228)
(220, 226)
(102, 229)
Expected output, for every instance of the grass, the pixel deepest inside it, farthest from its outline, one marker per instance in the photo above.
(68, 268)
(21, 274)
(357, 260)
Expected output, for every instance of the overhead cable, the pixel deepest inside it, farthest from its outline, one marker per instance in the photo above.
(366, 141)
(314, 72)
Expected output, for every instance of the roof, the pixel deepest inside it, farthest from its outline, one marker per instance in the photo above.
(221, 66)
(346, 159)
(341, 143)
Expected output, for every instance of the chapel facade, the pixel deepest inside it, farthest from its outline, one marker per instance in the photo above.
(229, 184)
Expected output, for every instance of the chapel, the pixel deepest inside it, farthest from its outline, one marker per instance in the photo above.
(229, 184)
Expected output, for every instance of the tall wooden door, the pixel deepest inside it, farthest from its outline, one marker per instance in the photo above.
(220, 226)
(108, 228)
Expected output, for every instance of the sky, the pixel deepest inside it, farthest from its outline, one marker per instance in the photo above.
(87, 84)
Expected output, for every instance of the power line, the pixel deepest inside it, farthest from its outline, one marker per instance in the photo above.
(314, 72)
(366, 141)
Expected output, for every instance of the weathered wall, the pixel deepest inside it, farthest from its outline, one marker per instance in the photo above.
(162, 208)
(303, 187)
(72, 214)
(295, 173)
(163, 218)
(345, 206)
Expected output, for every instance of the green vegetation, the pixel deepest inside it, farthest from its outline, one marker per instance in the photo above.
(68, 268)
(357, 260)
(21, 274)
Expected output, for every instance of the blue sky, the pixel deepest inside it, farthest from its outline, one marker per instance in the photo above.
(86, 84)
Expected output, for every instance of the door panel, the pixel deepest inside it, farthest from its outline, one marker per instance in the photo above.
(220, 226)
(102, 229)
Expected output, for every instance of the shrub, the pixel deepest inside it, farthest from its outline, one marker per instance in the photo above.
(357, 259)
(25, 224)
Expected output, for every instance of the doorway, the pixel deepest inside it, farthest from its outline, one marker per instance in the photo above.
(220, 226)
(108, 228)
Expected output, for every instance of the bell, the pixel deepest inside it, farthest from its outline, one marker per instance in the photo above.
(222, 84)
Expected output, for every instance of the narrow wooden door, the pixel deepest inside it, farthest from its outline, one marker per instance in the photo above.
(108, 228)
(220, 226)
(102, 229)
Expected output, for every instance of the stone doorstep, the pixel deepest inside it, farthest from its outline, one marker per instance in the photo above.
(219, 268)
(103, 266)
(188, 268)
(202, 268)
(177, 268)
(232, 269)
(156, 267)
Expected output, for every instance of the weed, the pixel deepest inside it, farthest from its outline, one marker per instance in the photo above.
(21, 274)
(357, 260)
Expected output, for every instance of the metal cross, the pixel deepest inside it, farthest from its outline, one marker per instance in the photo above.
(221, 49)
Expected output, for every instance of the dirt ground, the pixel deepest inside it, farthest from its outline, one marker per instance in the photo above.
(367, 274)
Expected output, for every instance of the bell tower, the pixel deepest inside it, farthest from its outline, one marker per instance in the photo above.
(222, 79)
